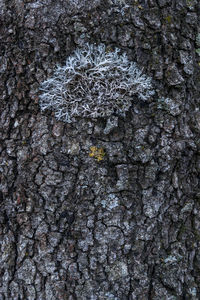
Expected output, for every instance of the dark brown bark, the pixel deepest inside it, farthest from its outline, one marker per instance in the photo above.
(127, 227)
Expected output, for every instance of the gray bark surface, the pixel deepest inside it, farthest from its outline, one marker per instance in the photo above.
(126, 227)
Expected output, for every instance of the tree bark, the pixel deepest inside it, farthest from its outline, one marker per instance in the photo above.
(125, 227)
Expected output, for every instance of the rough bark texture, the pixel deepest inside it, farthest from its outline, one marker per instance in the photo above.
(126, 227)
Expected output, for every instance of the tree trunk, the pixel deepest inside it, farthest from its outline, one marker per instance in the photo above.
(126, 226)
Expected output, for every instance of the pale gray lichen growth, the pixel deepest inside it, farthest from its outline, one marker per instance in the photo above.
(198, 43)
(169, 105)
(198, 39)
(94, 83)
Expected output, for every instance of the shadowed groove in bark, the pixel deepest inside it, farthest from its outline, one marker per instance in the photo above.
(126, 227)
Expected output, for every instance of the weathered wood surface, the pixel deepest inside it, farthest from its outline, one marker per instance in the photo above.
(127, 227)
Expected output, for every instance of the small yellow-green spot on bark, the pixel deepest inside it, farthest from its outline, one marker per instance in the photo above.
(169, 19)
(189, 3)
(97, 153)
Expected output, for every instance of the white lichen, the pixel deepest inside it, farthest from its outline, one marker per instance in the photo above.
(94, 83)
(169, 105)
